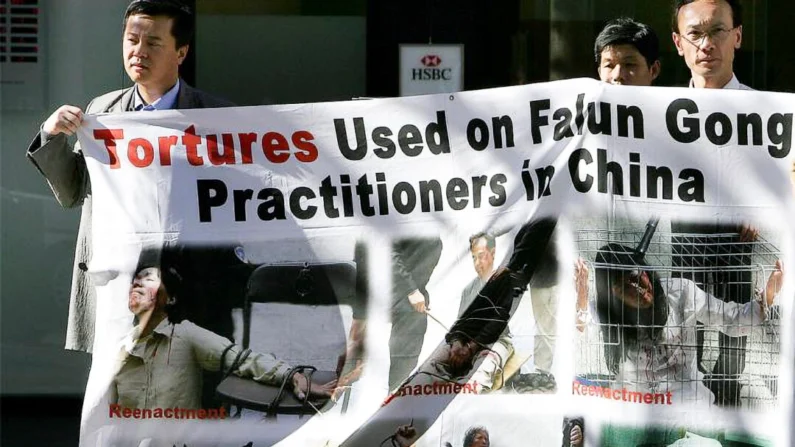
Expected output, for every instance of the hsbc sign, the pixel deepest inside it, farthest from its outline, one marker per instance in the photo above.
(427, 69)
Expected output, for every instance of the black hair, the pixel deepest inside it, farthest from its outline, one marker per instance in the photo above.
(469, 437)
(737, 13)
(621, 325)
(490, 242)
(165, 261)
(182, 27)
(626, 31)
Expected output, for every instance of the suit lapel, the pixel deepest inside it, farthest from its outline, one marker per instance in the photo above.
(123, 103)
(186, 97)
(126, 103)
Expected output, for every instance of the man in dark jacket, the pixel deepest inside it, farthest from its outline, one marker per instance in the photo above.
(413, 261)
(154, 44)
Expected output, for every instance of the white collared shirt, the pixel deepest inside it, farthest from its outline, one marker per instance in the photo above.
(166, 102)
(733, 84)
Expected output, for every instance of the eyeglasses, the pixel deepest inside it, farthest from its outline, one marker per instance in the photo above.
(696, 37)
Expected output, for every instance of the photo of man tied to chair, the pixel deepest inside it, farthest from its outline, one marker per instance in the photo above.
(648, 324)
(295, 305)
(543, 295)
(472, 350)
(160, 363)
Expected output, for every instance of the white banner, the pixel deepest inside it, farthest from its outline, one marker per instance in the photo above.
(302, 232)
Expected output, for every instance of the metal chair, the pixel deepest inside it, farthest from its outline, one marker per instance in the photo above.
(303, 284)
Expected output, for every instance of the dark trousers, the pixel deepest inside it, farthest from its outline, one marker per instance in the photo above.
(729, 282)
(405, 342)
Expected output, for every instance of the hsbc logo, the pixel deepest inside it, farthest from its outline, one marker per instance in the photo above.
(431, 60)
(431, 72)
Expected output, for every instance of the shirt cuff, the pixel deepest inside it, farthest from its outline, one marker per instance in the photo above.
(44, 135)
(416, 300)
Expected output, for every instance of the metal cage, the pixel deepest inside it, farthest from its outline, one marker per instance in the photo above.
(718, 264)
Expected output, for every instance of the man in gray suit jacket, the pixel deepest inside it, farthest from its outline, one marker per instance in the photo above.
(155, 42)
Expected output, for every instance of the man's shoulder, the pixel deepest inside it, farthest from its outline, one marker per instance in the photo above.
(104, 103)
(735, 84)
(672, 283)
(474, 283)
(185, 326)
(745, 87)
(193, 98)
(680, 291)
(192, 332)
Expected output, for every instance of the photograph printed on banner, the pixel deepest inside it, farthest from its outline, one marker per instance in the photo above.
(478, 354)
(474, 354)
(671, 314)
(237, 332)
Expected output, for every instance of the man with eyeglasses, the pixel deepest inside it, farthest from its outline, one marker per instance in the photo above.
(155, 42)
(707, 33)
